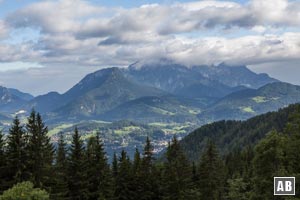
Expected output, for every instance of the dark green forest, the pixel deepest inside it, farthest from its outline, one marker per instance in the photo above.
(81, 170)
(232, 135)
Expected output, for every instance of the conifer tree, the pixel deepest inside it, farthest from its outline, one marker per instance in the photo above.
(195, 175)
(148, 156)
(150, 189)
(115, 170)
(77, 169)
(60, 187)
(211, 174)
(40, 151)
(3, 165)
(115, 166)
(136, 172)
(137, 162)
(239, 173)
(269, 161)
(238, 189)
(293, 151)
(17, 165)
(124, 180)
(177, 174)
(98, 171)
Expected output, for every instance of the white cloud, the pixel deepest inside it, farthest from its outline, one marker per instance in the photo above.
(244, 50)
(85, 34)
(4, 30)
(276, 12)
(53, 16)
(259, 29)
(85, 20)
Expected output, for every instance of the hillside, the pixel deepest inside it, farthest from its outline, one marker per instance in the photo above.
(20, 94)
(232, 135)
(45, 103)
(251, 102)
(154, 109)
(207, 82)
(100, 92)
(11, 99)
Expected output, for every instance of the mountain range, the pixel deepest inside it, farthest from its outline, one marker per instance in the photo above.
(159, 92)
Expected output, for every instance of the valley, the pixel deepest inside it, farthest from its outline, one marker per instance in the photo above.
(150, 99)
(121, 135)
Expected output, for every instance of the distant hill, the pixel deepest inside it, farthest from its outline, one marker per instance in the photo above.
(235, 135)
(154, 109)
(11, 99)
(21, 95)
(5, 118)
(251, 102)
(45, 103)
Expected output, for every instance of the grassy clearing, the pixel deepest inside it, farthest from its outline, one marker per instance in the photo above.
(260, 99)
(173, 131)
(101, 122)
(58, 129)
(87, 136)
(162, 111)
(126, 130)
(247, 109)
(194, 112)
(176, 129)
(159, 124)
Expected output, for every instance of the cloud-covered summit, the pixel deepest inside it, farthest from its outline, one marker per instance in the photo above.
(87, 34)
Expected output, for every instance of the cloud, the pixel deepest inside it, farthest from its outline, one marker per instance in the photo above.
(20, 52)
(195, 16)
(4, 29)
(240, 51)
(276, 12)
(53, 16)
(84, 20)
(79, 33)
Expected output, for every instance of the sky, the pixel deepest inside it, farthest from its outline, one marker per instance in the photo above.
(50, 45)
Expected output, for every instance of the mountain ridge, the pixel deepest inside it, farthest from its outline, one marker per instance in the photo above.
(166, 90)
(250, 102)
(12, 99)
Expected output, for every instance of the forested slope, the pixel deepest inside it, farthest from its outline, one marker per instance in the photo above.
(234, 135)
